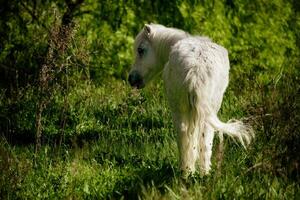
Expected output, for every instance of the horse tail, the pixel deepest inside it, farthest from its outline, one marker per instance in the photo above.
(233, 128)
(205, 115)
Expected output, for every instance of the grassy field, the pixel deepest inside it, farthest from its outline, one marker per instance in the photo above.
(63, 66)
(128, 150)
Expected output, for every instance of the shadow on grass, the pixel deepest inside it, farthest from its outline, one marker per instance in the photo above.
(131, 187)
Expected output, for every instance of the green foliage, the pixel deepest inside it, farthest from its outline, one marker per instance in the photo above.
(259, 40)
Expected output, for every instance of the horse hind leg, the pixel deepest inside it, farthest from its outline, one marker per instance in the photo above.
(205, 148)
(188, 146)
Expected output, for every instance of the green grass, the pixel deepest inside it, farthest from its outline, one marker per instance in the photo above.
(128, 150)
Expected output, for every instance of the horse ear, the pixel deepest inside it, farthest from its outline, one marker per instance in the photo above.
(147, 29)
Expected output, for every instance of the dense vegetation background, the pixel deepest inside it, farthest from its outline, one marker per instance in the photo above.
(72, 128)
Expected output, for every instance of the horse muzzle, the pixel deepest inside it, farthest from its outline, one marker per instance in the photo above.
(136, 80)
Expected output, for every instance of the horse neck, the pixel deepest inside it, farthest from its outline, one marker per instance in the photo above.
(165, 38)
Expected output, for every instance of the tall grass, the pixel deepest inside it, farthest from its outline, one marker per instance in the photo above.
(123, 146)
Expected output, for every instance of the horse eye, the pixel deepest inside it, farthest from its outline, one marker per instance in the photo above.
(140, 51)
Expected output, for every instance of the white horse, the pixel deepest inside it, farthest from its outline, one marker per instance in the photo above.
(195, 73)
